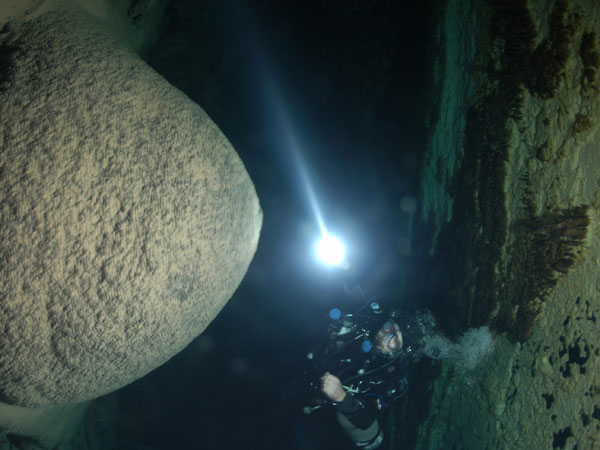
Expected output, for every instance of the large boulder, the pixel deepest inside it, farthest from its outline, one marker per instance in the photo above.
(127, 218)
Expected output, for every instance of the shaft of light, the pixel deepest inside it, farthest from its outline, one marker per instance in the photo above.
(291, 143)
(329, 249)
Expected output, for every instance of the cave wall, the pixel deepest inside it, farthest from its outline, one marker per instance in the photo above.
(525, 209)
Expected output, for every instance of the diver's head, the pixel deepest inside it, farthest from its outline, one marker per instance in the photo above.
(389, 339)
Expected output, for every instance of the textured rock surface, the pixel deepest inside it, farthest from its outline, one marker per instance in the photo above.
(128, 219)
(543, 393)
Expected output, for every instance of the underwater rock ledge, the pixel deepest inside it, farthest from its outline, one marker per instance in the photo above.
(531, 161)
(483, 241)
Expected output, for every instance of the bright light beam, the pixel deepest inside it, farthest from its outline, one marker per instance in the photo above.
(294, 148)
(330, 249)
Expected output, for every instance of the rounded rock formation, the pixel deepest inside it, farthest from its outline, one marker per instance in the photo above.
(127, 218)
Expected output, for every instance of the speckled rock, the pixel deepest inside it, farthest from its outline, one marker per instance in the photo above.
(128, 220)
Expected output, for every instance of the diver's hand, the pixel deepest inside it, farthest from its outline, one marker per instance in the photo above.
(331, 386)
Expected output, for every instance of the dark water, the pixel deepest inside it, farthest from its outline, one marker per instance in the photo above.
(351, 78)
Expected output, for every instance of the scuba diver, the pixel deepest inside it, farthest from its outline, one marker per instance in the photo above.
(362, 366)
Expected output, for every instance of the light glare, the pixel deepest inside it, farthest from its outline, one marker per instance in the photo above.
(331, 251)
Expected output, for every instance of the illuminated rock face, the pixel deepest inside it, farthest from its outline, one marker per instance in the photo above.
(539, 390)
(128, 220)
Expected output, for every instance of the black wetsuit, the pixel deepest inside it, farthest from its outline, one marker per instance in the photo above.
(358, 418)
(362, 413)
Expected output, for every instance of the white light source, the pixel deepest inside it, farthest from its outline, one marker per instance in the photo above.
(330, 250)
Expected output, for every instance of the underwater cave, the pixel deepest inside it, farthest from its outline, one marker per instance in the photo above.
(167, 166)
